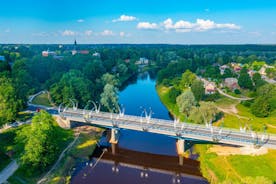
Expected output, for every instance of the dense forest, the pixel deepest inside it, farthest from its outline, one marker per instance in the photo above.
(96, 72)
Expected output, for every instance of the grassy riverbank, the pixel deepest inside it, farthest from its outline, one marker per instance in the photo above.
(232, 168)
(79, 152)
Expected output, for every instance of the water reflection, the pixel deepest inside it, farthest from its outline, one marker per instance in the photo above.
(128, 166)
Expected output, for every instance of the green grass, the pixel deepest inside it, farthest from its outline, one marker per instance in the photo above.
(263, 165)
(42, 99)
(225, 101)
(237, 168)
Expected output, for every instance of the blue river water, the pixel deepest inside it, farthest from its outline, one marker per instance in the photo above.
(140, 157)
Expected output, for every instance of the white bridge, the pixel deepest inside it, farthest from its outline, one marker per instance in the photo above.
(184, 132)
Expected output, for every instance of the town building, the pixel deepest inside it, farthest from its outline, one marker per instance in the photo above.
(231, 83)
(222, 69)
(48, 53)
(142, 61)
(210, 88)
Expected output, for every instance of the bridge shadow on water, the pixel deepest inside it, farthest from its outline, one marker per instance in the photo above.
(116, 165)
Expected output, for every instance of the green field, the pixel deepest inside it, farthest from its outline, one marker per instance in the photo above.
(42, 99)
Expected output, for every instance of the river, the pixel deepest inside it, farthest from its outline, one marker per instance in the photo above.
(140, 157)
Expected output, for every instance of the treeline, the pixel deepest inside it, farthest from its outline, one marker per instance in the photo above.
(85, 77)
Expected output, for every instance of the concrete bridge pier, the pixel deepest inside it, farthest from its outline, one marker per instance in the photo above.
(63, 122)
(114, 138)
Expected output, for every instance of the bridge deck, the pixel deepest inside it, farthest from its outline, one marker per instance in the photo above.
(170, 128)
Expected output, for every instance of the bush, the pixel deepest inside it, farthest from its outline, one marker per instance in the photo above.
(247, 103)
(173, 93)
(237, 91)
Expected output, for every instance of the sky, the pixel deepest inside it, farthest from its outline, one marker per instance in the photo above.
(138, 22)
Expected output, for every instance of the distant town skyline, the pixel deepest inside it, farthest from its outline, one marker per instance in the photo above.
(137, 22)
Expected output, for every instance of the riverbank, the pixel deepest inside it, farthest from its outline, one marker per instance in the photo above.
(235, 168)
(79, 152)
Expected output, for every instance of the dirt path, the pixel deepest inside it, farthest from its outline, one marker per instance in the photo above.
(232, 97)
(232, 111)
(45, 177)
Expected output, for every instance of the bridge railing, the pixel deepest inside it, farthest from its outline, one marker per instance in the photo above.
(168, 125)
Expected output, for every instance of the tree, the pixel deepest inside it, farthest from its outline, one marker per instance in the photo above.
(40, 143)
(9, 102)
(257, 79)
(185, 102)
(187, 79)
(261, 107)
(198, 89)
(244, 79)
(265, 103)
(108, 78)
(205, 113)
(228, 73)
(109, 98)
(173, 94)
(72, 85)
(122, 69)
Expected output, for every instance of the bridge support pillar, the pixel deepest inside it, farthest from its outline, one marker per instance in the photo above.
(180, 146)
(63, 122)
(114, 139)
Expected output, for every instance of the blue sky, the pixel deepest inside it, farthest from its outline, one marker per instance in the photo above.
(143, 21)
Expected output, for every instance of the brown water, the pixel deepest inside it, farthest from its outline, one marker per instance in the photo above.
(140, 157)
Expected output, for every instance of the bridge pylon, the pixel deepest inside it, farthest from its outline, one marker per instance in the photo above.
(114, 138)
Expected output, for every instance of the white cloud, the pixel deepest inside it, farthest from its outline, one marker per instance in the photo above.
(107, 33)
(7, 30)
(203, 25)
(122, 34)
(80, 20)
(147, 25)
(199, 25)
(88, 32)
(68, 33)
(125, 18)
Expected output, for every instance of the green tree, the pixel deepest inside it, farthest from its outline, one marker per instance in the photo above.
(257, 79)
(244, 79)
(205, 113)
(198, 89)
(271, 72)
(72, 85)
(40, 143)
(9, 102)
(109, 98)
(187, 79)
(261, 107)
(173, 94)
(108, 78)
(228, 73)
(265, 101)
(185, 102)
